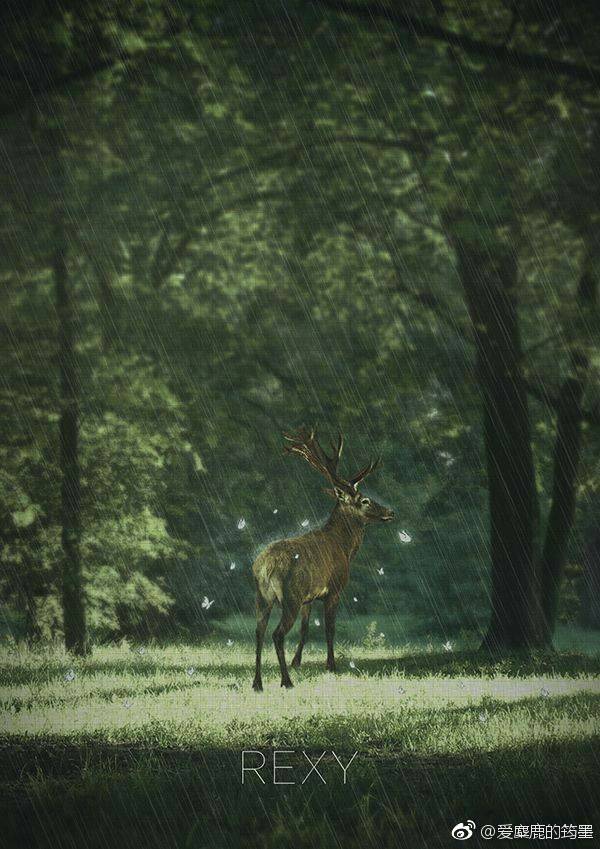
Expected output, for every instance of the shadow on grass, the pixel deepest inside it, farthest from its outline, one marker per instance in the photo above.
(417, 665)
(18, 676)
(156, 799)
(465, 663)
(38, 702)
(25, 757)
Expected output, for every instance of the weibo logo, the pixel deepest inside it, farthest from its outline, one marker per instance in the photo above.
(463, 830)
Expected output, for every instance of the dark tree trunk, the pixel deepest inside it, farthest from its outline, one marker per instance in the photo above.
(567, 451)
(489, 279)
(106, 303)
(591, 583)
(74, 619)
(32, 629)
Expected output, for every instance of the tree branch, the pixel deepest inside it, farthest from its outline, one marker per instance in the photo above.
(33, 90)
(551, 400)
(501, 53)
(430, 301)
(161, 271)
(29, 98)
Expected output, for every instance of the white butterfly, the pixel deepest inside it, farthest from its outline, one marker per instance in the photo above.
(296, 556)
(317, 622)
(382, 635)
(206, 604)
(229, 642)
(69, 675)
(404, 536)
(190, 671)
(447, 457)
(354, 598)
(352, 665)
(447, 646)
(241, 524)
(275, 511)
(483, 717)
(380, 571)
(305, 523)
(231, 567)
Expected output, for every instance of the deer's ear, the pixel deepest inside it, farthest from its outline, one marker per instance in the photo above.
(341, 495)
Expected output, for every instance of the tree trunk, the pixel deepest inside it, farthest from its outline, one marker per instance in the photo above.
(591, 583)
(567, 451)
(32, 629)
(489, 279)
(74, 619)
(106, 303)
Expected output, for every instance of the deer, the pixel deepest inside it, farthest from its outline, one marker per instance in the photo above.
(295, 572)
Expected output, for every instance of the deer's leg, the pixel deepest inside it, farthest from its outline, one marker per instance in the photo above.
(305, 614)
(263, 611)
(288, 617)
(331, 605)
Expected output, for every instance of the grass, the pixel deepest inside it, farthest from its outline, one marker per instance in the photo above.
(144, 747)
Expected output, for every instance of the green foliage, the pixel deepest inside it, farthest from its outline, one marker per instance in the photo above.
(126, 544)
(263, 238)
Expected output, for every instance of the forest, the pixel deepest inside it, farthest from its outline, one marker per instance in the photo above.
(204, 244)
(224, 221)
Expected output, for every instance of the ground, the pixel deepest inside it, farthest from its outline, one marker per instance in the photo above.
(141, 745)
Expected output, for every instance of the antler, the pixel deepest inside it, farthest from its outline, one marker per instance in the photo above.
(359, 476)
(307, 445)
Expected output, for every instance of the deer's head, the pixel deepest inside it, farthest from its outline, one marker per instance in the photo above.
(344, 490)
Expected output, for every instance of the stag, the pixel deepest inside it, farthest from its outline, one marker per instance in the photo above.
(294, 572)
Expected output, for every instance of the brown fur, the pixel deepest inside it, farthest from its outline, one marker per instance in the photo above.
(295, 572)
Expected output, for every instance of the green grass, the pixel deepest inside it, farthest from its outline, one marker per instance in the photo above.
(144, 748)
